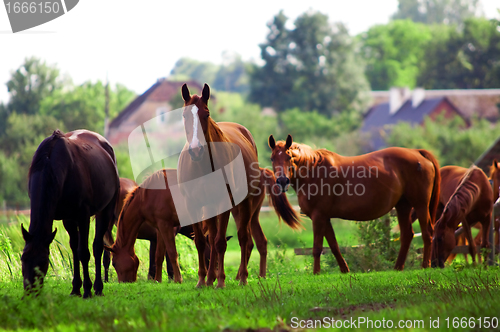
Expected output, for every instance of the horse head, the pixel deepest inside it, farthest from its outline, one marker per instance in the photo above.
(196, 120)
(35, 259)
(125, 263)
(443, 242)
(281, 158)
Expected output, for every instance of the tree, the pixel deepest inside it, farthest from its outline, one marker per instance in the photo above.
(394, 53)
(313, 67)
(186, 68)
(464, 59)
(30, 84)
(437, 11)
(82, 106)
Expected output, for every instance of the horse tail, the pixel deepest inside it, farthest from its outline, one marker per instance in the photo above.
(434, 202)
(279, 201)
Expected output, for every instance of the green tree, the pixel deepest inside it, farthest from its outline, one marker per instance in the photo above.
(437, 11)
(82, 106)
(30, 84)
(313, 66)
(463, 59)
(186, 68)
(394, 52)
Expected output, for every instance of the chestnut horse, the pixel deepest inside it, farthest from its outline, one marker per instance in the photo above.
(225, 141)
(146, 232)
(155, 208)
(360, 188)
(72, 177)
(470, 202)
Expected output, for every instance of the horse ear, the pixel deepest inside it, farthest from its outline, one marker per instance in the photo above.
(185, 93)
(495, 163)
(289, 141)
(205, 94)
(26, 235)
(272, 142)
(107, 248)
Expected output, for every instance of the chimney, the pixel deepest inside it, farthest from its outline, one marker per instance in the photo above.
(397, 97)
(418, 97)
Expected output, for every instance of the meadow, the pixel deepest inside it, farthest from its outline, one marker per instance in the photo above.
(291, 296)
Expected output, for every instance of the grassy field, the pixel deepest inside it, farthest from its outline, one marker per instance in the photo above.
(289, 297)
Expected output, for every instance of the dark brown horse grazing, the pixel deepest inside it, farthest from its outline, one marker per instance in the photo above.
(156, 208)
(360, 188)
(470, 202)
(72, 177)
(225, 141)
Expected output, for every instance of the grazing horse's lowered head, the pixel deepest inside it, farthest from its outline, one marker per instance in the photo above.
(282, 160)
(196, 118)
(35, 259)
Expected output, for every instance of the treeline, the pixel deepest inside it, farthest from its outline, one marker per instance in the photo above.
(41, 100)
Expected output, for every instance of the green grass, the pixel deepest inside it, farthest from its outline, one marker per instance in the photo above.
(289, 291)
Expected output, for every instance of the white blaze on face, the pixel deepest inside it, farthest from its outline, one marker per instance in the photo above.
(194, 141)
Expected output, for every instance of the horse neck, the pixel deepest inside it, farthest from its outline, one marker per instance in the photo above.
(461, 203)
(129, 222)
(214, 133)
(45, 192)
(306, 159)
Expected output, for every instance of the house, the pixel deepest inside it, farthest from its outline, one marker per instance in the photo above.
(404, 106)
(156, 101)
(482, 103)
(486, 159)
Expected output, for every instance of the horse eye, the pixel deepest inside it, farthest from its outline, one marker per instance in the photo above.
(288, 158)
(272, 159)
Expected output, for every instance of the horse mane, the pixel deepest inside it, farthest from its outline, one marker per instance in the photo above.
(464, 195)
(139, 190)
(308, 154)
(43, 152)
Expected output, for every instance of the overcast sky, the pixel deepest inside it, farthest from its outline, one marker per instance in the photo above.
(136, 42)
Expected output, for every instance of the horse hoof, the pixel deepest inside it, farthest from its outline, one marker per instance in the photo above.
(344, 270)
(243, 282)
(87, 296)
(78, 294)
(221, 285)
(200, 284)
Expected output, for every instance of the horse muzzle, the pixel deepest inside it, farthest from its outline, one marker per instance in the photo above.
(283, 182)
(196, 153)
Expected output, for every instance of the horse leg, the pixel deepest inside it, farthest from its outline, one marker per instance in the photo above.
(168, 236)
(260, 241)
(200, 242)
(102, 221)
(211, 224)
(220, 249)
(160, 252)
(72, 229)
(84, 254)
(334, 246)
(106, 259)
(318, 223)
(403, 210)
(244, 215)
(468, 235)
(152, 259)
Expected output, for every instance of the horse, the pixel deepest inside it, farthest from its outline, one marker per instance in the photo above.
(72, 177)
(156, 207)
(470, 202)
(146, 232)
(360, 188)
(224, 141)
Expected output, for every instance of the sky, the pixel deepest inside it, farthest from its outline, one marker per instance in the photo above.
(136, 42)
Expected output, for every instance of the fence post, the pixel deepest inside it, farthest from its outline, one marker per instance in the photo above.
(491, 238)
